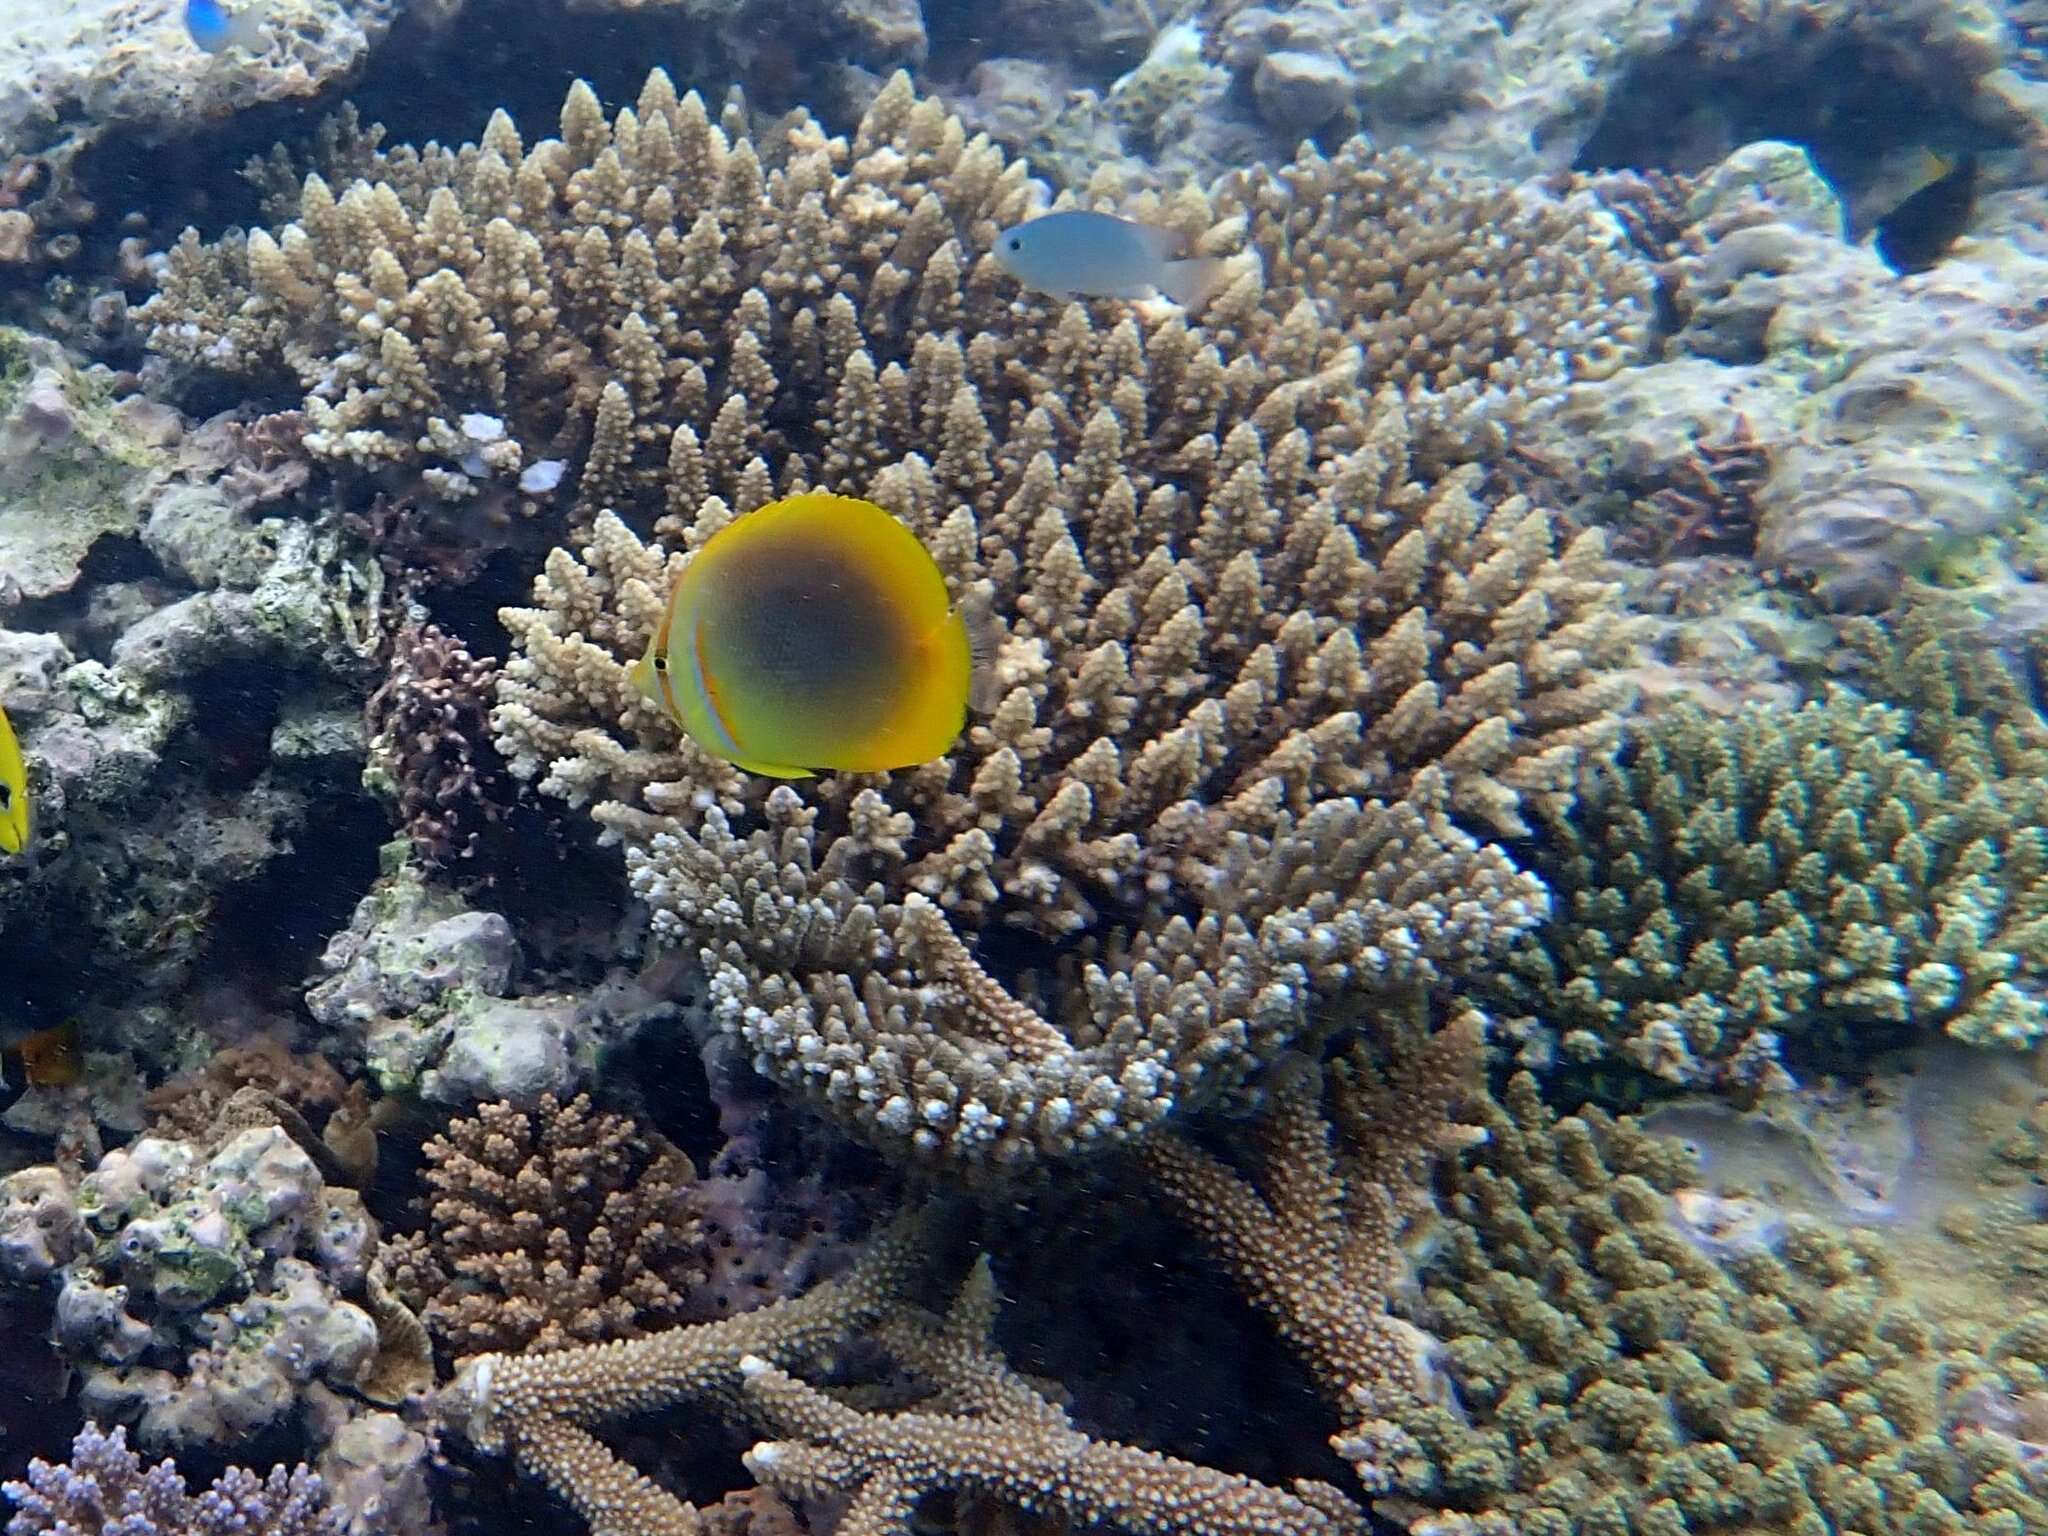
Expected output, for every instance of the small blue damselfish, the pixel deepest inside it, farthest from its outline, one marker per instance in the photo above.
(215, 28)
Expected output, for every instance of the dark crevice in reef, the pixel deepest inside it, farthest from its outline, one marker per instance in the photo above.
(1846, 104)
(1110, 1296)
(274, 927)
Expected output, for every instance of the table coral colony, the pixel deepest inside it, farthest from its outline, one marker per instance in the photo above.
(1313, 728)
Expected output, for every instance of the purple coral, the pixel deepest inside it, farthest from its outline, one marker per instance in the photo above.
(105, 1489)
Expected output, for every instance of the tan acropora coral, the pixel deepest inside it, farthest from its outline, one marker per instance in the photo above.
(424, 288)
(1258, 685)
(1470, 297)
(1262, 684)
(1315, 1236)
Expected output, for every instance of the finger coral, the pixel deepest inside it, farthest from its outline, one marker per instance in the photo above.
(1731, 881)
(105, 1487)
(566, 1225)
(1611, 1375)
(1260, 681)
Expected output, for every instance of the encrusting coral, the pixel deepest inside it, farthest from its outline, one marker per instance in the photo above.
(1731, 881)
(1259, 679)
(566, 1225)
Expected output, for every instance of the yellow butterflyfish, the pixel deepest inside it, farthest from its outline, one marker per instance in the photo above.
(815, 634)
(13, 790)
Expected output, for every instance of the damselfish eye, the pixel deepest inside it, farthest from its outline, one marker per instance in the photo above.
(6, 796)
(1014, 243)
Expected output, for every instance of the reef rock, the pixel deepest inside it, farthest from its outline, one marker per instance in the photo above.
(422, 986)
(199, 1286)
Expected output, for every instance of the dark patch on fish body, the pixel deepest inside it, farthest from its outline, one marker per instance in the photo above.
(1916, 235)
(803, 630)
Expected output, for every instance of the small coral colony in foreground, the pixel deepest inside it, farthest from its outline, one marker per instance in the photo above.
(1248, 770)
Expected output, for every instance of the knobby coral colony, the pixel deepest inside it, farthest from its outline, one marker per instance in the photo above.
(1826, 871)
(1263, 689)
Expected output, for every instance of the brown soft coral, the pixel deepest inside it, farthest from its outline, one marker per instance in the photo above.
(568, 1225)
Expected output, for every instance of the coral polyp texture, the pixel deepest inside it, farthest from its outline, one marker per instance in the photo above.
(1732, 882)
(566, 1225)
(465, 310)
(1473, 298)
(1262, 682)
(106, 1488)
(1612, 1374)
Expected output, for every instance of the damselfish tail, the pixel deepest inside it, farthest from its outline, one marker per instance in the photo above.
(1192, 283)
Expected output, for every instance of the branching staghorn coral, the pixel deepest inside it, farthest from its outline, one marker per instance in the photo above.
(1733, 880)
(981, 1429)
(430, 751)
(1262, 683)
(1316, 1240)
(986, 1432)
(541, 1408)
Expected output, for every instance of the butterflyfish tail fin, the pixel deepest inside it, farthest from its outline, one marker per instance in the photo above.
(985, 636)
(1192, 283)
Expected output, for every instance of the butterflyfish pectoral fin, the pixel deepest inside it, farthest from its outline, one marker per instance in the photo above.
(644, 682)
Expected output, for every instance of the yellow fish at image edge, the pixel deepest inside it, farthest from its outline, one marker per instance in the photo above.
(816, 634)
(13, 790)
